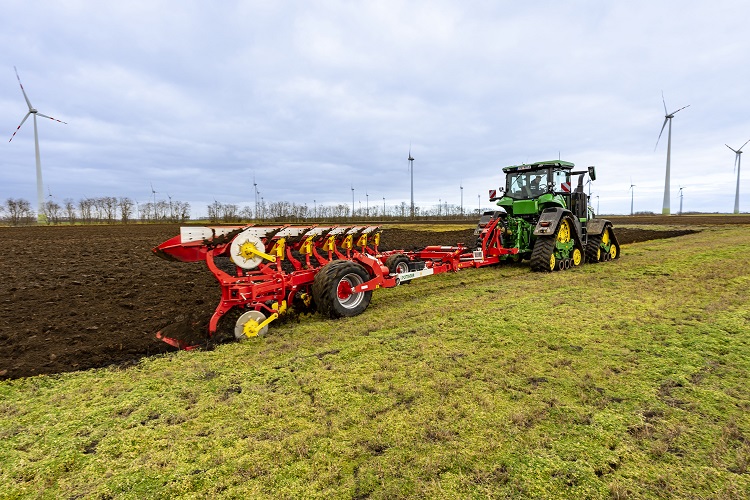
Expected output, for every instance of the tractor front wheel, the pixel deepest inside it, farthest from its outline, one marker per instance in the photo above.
(333, 289)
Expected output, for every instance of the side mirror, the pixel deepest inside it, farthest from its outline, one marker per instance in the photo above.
(592, 173)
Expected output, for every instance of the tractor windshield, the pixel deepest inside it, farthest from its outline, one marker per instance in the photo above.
(526, 185)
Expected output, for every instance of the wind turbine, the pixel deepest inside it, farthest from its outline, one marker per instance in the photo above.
(737, 161)
(255, 187)
(632, 191)
(39, 183)
(153, 194)
(411, 169)
(667, 118)
(681, 188)
(462, 198)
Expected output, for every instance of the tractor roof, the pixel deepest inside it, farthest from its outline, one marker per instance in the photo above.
(540, 164)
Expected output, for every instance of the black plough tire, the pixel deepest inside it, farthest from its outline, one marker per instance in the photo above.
(397, 263)
(592, 249)
(326, 289)
(540, 256)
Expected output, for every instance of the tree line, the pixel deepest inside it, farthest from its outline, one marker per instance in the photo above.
(104, 209)
(111, 210)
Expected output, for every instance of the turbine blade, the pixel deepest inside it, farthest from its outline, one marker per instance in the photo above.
(662, 131)
(730, 147)
(736, 158)
(22, 90)
(19, 126)
(45, 116)
(665, 103)
(740, 149)
(673, 112)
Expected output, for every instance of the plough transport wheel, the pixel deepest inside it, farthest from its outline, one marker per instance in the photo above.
(333, 289)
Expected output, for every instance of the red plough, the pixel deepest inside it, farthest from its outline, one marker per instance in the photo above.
(265, 270)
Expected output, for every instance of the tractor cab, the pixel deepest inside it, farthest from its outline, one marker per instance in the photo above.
(532, 188)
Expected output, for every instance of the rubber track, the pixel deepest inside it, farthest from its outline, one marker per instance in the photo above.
(543, 248)
(591, 248)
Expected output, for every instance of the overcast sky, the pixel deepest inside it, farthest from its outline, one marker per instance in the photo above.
(313, 97)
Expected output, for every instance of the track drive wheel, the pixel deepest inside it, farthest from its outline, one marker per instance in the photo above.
(608, 239)
(543, 256)
(332, 289)
(577, 257)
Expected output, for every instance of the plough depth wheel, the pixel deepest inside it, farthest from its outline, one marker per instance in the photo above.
(248, 325)
(333, 289)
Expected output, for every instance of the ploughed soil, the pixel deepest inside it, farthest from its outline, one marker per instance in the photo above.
(81, 297)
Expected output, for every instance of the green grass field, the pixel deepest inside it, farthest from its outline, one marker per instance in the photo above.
(617, 380)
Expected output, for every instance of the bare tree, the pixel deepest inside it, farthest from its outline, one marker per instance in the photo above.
(109, 207)
(181, 210)
(19, 211)
(246, 213)
(214, 211)
(126, 208)
(70, 210)
(229, 212)
(85, 208)
(51, 210)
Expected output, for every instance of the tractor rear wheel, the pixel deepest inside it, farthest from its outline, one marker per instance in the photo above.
(333, 289)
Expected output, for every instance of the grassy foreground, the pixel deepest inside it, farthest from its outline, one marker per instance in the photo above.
(620, 380)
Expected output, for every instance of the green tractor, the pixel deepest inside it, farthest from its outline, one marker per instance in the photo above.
(544, 221)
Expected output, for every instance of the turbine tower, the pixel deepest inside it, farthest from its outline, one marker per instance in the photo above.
(39, 183)
(737, 161)
(411, 169)
(667, 118)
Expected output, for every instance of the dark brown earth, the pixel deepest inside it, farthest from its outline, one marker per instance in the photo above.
(81, 297)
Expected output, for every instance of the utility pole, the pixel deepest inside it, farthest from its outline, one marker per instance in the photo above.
(383, 206)
(352, 202)
(479, 203)
(367, 204)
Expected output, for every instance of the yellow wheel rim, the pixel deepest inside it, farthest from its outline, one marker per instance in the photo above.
(552, 262)
(576, 257)
(563, 234)
(599, 253)
(613, 251)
